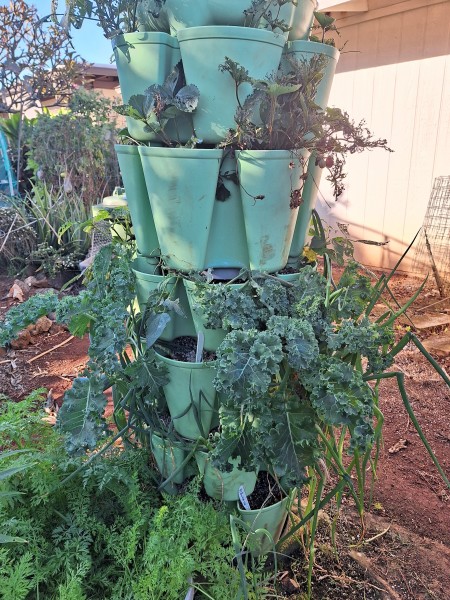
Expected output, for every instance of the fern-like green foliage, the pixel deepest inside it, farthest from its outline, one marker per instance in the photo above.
(105, 532)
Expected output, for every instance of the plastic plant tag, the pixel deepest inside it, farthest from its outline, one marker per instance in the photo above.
(200, 344)
(243, 498)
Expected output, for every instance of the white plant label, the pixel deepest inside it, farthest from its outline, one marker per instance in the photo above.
(243, 498)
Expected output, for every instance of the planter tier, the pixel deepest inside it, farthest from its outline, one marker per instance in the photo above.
(176, 15)
(190, 396)
(267, 178)
(224, 485)
(258, 51)
(137, 199)
(304, 50)
(143, 59)
(181, 185)
(147, 281)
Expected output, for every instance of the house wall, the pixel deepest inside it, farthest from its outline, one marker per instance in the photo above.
(395, 73)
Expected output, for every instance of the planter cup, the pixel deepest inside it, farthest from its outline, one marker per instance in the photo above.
(137, 199)
(258, 51)
(181, 185)
(143, 59)
(190, 390)
(269, 221)
(147, 281)
(272, 519)
(168, 457)
(224, 485)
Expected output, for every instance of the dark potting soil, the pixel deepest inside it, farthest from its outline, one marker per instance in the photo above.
(266, 492)
(184, 349)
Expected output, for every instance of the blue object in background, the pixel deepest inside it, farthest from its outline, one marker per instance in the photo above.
(8, 182)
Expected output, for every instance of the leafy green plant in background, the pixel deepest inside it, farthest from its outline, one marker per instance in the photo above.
(74, 150)
(266, 13)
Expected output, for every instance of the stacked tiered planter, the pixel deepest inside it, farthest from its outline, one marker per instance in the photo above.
(180, 226)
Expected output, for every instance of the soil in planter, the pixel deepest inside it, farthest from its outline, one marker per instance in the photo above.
(184, 349)
(266, 493)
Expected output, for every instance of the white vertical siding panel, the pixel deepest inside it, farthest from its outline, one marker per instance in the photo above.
(401, 141)
(431, 78)
(442, 153)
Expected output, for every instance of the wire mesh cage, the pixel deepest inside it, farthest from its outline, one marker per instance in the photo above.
(433, 248)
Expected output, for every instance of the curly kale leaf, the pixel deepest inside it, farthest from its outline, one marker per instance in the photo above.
(273, 296)
(341, 397)
(364, 339)
(81, 415)
(246, 363)
(308, 300)
(299, 342)
(357, 293)
(18, 317)
(226, 307)
(108, 337)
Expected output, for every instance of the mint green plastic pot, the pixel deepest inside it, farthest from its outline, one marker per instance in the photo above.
(267, 178)
(187, 13)
(304, 50)
(137, 198)
(169, 457)
(231, 12)
(224, 485)
(147, 281)
(181, 185)
(203, 49)
(303, 19)
(142, 59)
(270, 519)
(190, 396)
(227, 244)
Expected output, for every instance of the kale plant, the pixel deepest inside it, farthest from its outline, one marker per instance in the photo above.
(292, 364)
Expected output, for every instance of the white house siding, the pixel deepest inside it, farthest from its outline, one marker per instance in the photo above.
(395, 73)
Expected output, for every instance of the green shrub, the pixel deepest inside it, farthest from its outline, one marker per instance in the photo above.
(74, 150)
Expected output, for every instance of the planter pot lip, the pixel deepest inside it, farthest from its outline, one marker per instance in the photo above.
(306, 46)
(155, 278)
(255, 511)
(270, 154)
(230, 32)
(185, 365)
(190, 285)
(145, 37)
(131, 149)
(186, 153)
(205, 454)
